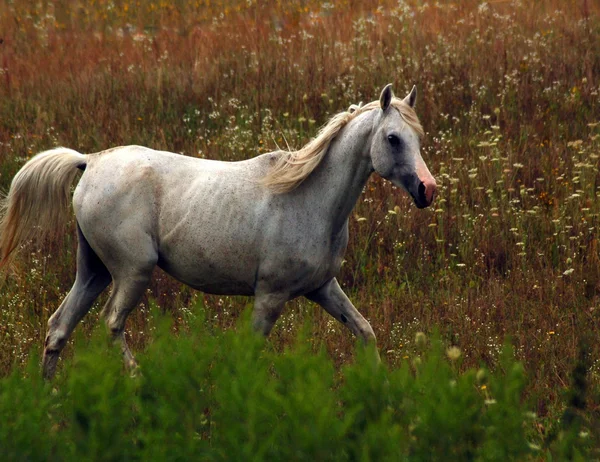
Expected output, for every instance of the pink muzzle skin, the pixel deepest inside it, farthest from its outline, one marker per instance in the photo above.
(428, 181)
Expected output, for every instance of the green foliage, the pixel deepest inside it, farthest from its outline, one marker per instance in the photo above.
(25, 404)
(97, 406)
(227, 396)
(174, 392)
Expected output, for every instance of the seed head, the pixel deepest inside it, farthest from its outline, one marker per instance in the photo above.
(453, 353)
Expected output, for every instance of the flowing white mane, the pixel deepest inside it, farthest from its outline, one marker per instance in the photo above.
(293, 167)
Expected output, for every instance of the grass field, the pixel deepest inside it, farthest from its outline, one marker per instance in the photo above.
(509, 97)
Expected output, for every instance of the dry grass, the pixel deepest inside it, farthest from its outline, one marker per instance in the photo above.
(509, 98)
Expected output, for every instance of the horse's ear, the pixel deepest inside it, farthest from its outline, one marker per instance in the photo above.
(411, 98)
(386, 96)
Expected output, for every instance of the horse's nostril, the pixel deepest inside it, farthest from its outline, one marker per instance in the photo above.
(422, 190)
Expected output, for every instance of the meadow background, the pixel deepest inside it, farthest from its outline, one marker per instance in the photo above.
(509, 97)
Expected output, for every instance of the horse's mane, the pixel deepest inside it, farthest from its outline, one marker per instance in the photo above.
(293, 167)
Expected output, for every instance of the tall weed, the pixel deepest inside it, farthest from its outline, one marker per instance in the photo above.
(228, 396)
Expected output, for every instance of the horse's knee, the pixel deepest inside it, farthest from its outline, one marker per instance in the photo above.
(366, 332)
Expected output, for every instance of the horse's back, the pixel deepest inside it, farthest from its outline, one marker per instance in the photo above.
(134, 173)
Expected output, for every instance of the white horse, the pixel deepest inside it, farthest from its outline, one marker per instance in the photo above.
(275, 226)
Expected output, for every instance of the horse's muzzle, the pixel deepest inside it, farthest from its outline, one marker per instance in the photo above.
(425, 193)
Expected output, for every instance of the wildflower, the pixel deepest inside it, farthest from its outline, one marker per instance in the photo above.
(453, 353)
(420, 339)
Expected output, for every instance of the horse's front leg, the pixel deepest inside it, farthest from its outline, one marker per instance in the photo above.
(267, 309)
(333, 300)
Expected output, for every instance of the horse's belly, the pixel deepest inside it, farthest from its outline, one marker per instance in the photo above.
(209, 277)
(222, 287)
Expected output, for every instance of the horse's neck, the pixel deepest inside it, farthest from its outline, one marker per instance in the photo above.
(339, 180)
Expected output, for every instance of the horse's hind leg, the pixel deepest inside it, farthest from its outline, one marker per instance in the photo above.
(127, 291)
(131, 261)
(92, 278)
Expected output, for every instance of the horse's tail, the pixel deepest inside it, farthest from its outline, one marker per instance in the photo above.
(37, 203)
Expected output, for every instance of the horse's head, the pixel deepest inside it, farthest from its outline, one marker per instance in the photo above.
(395, 147)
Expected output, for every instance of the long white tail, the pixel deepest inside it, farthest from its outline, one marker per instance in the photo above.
(37, 203)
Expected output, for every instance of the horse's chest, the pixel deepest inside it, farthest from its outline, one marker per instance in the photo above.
(304, 265)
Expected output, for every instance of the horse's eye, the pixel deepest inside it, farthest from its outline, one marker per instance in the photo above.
(394, 140)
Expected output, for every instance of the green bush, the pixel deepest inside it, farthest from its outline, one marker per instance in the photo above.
(25, 405)
(203, 395)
